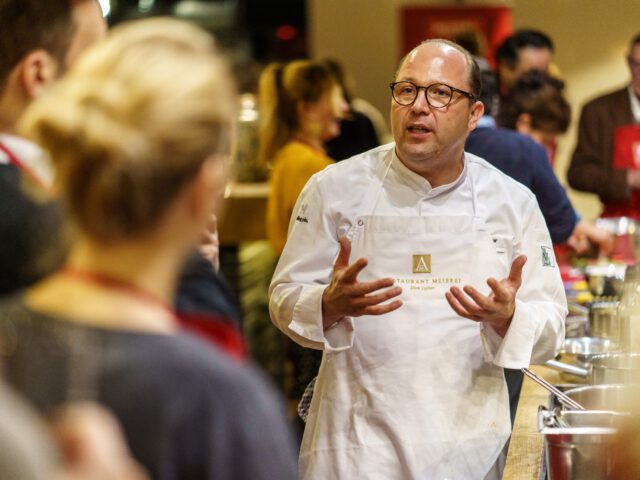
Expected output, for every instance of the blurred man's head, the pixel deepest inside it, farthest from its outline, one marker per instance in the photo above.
(633, 60)
(523, 51)
(536, 107)
(40, 40)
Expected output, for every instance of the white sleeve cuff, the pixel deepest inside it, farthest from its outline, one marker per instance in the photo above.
(307, 322)
(515, 349)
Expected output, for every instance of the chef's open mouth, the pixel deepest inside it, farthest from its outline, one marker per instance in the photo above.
(418, 129)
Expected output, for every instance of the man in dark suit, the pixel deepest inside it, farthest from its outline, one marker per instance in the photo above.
(593, 167)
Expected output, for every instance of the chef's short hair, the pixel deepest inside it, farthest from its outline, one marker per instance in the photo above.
(132, 122)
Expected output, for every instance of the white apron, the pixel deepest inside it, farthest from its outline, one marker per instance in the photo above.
(413, 398)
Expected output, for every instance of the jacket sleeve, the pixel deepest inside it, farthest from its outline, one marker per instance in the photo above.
(536, 332)
(303, 272)
(591, 168)
(555, 205)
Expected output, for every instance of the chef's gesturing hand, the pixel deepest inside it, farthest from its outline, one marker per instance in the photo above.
(498, 307)
(346, 296)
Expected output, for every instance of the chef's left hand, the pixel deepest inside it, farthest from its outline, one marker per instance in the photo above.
(498, 307)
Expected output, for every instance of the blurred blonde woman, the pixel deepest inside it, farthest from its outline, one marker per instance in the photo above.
(138, 131)
(301, 105)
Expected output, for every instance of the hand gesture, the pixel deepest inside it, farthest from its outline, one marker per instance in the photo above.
(498, 307)
(346, 296)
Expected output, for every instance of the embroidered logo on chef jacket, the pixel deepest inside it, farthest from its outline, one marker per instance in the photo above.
(422, 263)
(547, 257)
(301, 214)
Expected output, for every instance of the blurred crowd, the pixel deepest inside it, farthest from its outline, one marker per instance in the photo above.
(124, 352)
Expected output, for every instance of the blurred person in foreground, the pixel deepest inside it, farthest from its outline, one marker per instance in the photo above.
(416, 290)
(41, 41)
(606, 159)
(536, 107)
(139, 149)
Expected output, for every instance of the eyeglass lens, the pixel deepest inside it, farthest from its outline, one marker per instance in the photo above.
(438, 95)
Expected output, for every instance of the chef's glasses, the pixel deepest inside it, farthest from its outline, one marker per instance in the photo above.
(438, 95)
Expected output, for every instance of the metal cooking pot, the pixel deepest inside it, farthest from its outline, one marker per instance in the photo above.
(605, 369)
(612, 398)
(576, 353)
(582, 349)
(579, 445)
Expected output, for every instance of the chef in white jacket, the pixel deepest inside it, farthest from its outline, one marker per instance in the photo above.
(421, 271)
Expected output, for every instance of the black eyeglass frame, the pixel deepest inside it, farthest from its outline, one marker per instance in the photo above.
(469, 95)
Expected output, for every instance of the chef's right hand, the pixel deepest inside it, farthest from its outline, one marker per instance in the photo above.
(346, 296)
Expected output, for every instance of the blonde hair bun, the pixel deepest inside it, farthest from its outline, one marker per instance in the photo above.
(132, 121)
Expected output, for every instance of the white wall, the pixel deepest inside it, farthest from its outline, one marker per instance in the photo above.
(591, 38)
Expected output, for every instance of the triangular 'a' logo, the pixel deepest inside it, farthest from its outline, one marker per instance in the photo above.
(422, 263)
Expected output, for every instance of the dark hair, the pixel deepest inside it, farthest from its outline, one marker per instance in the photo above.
(29, 25)
(475, 79)
(508, 53)
(539, 95)
(490, 93)
(635, 40)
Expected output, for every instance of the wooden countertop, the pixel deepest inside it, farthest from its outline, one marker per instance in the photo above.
(526, 447)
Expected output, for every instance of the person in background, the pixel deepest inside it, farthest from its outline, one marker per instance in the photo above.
(606, 157)
(525, 160)
(301, 106)
(416, 290)
(139, 151)
(536, 107)
(357, 131)
(41, 41)
(524, 50)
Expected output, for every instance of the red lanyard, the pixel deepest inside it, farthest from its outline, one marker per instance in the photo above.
(13, 158)
(113, 283)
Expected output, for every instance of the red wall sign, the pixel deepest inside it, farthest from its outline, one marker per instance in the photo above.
(490, 25)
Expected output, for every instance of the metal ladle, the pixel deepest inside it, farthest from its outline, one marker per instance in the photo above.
(564, 399)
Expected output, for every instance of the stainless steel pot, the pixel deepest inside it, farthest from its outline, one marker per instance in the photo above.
(582, 349)
(605, 369)
(612, 398)
(578, 445)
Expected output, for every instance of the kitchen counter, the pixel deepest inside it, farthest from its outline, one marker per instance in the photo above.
(526, 449)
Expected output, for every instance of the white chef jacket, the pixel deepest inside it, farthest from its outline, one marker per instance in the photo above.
(327, 208)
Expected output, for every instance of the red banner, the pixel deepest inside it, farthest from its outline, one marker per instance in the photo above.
(489, 24)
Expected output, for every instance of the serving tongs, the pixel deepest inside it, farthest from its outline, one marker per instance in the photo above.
(561, 396)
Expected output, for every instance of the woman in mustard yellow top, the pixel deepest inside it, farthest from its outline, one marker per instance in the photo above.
(301, 105)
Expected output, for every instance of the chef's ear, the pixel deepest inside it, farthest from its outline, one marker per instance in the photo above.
(36, 72)
(523, 123)
(477, 110)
